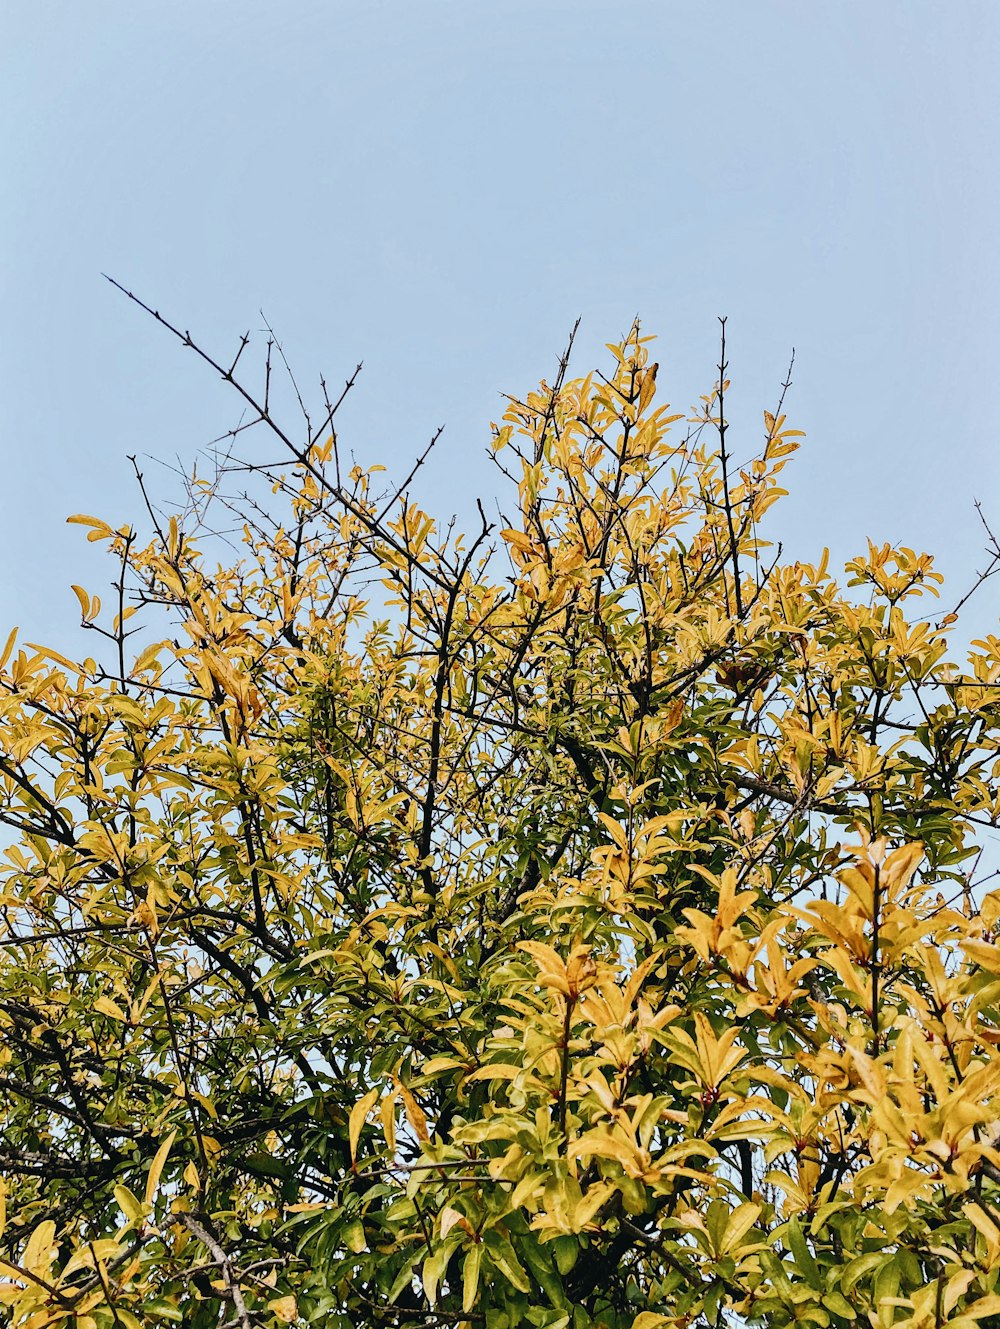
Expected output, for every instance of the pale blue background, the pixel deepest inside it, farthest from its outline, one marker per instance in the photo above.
(441, 188)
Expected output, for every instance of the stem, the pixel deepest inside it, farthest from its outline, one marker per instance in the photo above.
(564, 1073)
(876, 908)
(724, 459)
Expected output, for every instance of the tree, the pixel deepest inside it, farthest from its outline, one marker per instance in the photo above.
(570, 923)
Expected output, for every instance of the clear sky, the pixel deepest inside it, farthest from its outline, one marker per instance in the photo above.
(439, 188)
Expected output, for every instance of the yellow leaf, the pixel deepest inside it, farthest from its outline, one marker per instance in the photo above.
(128, 1204)
(48, 654)
(147, 657)
(983, 1223)
(581, 971)
(40, 1248)
(452, 1218)
(718, 1056)
(156, 1167)
(604, 1145)
(145, 915)
(101, 1249)
(213, 1149)
(105, 1006)
(648, 386)
(901, 864)
(586, 1208)
(356, 1120)
(551, 969)
(284, 1309)
(989, 1305)
(741, 1220)
(414, 1112)
(496, 1071)
(518, 539)
(84, 599)
(674, 715)
(8, 647)
(904, 1188)
(387, 1111)
(100, 530)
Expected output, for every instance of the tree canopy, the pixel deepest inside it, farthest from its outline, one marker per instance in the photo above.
(572, 921)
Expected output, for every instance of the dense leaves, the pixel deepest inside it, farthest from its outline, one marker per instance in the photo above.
(569, 923)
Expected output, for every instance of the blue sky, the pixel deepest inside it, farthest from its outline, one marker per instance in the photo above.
(441, 188)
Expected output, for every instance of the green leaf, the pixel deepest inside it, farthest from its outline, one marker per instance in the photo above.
(470, 1276)
(566, 1250)
(266, 1165)
(501, 1254)
(804, 1261)
(405, 1276)
(837, 1303)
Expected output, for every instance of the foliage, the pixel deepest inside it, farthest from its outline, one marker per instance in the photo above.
(568, 924)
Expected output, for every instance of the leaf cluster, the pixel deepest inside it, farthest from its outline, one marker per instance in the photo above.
(572, 922)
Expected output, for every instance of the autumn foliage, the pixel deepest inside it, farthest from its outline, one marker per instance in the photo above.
(569, 922)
